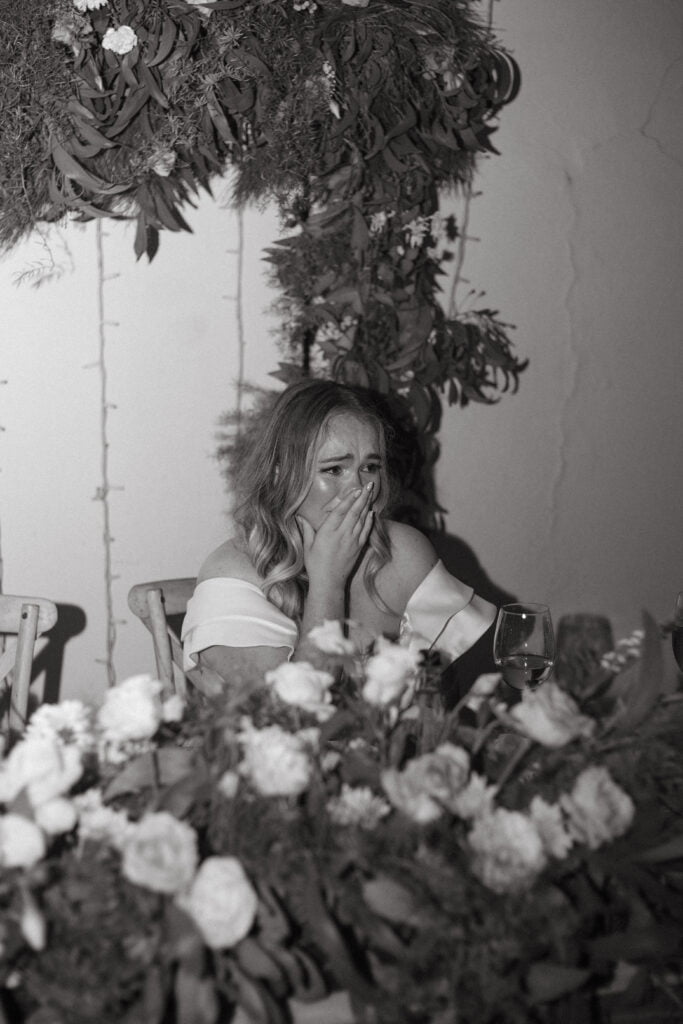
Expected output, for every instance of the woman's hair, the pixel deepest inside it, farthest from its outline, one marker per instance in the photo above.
(276, 473)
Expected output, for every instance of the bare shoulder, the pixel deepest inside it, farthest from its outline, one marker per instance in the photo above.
(412, 556)
(230, 560)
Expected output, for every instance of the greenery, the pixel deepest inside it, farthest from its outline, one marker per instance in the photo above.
(505, 862)
(352, 116)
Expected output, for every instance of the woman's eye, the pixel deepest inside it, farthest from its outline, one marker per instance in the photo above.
(332, 470)
(372, 468)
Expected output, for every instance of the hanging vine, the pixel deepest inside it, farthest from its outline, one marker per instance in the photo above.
(353, 116)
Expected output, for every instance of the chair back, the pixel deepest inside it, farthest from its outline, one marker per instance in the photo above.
(25, 618)
(160, 605)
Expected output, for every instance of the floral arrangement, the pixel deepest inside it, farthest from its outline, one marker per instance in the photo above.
(351, 115)
(337, 839)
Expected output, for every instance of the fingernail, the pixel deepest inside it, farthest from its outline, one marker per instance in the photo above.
(357, 491)
(368, 487)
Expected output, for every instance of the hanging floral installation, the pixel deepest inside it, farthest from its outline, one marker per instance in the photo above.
(353, 116)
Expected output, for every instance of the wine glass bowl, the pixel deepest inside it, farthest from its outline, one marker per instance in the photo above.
(524, 644)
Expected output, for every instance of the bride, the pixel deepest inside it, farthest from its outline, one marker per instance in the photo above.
(314, 542)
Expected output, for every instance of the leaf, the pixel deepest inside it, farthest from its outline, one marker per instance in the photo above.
(256, 1000)
(303, 974)
(168, 37)
(547, 981)
(651, 943)
(196, 1000)
(70, 168)
(135, 100)
(150, 81)
(258, 962)
(161, 767)
(670, 850)
(395, 903)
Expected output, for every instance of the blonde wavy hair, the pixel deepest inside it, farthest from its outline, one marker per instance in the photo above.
(274, 476)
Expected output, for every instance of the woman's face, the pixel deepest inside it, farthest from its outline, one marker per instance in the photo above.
(348, 457)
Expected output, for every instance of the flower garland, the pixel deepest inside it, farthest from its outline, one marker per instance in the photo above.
(503, 863)
(351, 116)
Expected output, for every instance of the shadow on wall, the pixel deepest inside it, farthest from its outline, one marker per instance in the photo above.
(71, 620)
(460, 560)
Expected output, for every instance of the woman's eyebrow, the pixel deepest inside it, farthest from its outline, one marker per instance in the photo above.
(346, 457)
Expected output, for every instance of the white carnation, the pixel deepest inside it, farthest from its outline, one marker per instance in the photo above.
(120, 40)
(357, 805)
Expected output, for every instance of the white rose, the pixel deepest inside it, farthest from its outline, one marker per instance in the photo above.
(22, 844)
(56, 816)
(120, 40)
(330, 639)
(222, 902)
(550, 716)
(173, 708)
(390, 672)
(597, 808)
(42, 766)
(299, 683)
(132, 710)
(508, 851)
(160, 853)
(276, 762)
(548, 820)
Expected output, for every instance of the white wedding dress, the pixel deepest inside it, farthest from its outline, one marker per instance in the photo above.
(230, 612)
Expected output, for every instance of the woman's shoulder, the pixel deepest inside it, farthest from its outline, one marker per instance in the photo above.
(228, 560)
(412, 556)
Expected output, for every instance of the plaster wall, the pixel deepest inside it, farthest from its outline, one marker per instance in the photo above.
(570, 491)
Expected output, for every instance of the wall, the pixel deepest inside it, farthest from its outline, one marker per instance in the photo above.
(569, 491)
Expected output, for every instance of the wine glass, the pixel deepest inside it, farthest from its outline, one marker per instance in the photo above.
(677, 630)
(524, 644)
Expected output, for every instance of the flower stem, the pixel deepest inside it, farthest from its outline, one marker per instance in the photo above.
(521, 752)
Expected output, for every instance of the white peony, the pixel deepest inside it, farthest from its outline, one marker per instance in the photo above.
(120, 40)
(276, 762)
(69, 722)
(548, 820)
(550, 716)
(160, 853)
(222, 902)
(597, 808)
(330, 639)
(390, 673)
(508, 851)
(56, 816)
(299, 683)
(22, 843)
(41, 766)
(132, 710)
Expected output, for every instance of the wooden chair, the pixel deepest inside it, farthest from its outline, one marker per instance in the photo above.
(160, 605)
(27, 618)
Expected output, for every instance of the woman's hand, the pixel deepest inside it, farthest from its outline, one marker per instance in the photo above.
(332, 551)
